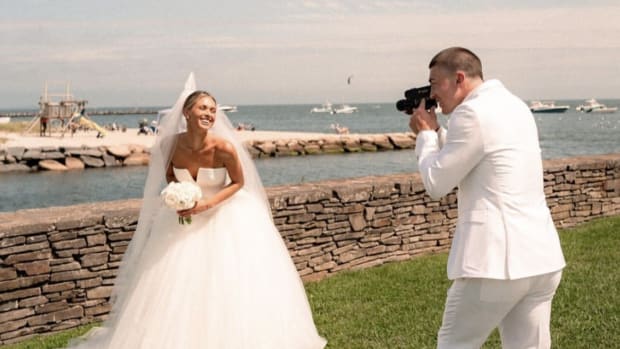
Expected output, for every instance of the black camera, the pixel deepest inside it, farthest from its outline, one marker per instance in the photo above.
(414, 97)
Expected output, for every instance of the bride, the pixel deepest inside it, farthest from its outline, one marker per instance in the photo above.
(225, 281)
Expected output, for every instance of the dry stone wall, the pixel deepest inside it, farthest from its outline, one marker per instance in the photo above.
(57, 265)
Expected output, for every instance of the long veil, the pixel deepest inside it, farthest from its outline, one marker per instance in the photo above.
(171, 125)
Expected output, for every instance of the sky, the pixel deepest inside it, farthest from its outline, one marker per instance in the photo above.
(139, 52)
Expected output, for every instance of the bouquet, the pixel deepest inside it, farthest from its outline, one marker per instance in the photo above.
(181, 196)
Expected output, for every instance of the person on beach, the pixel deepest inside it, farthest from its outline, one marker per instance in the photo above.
(44, 120)
(224, 281)
(143, 127)
(506, 260)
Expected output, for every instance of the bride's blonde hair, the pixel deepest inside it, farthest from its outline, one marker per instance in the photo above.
(193, 98)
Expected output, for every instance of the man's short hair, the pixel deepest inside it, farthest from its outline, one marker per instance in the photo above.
(458, 58)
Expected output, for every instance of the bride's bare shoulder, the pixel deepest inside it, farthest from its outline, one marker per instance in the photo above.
(224, 147)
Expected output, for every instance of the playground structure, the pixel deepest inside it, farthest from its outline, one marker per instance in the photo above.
(62, 112)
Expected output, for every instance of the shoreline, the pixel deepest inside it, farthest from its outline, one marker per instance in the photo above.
(89, 138)
(84, 150)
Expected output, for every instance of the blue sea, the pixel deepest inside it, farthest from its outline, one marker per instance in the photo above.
(561, 135)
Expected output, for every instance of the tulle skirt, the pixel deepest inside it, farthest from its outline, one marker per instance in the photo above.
(226, 281)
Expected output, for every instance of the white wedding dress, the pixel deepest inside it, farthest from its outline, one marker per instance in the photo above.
(225, 281)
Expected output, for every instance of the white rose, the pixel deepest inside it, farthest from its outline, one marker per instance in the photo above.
(181, 196)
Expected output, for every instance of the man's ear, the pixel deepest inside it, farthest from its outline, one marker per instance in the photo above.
(460, 77)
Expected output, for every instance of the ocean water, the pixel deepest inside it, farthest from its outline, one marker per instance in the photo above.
(561, 135)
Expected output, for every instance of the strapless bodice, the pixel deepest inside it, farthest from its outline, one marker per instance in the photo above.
(210, 180)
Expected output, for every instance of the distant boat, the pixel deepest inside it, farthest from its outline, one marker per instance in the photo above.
(5, 119)
(593, 106)
(324, 108)
(344, 109)
(227, 108)
(547, 107)
(603, 109)
(589, 104)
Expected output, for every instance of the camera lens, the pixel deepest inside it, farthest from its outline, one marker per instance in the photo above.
(401, 105)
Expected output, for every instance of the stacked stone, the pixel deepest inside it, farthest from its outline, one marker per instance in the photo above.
(57, 265)
(353, 224)
(62, 159)
(332, 145)
(582, 188)
(59, 275)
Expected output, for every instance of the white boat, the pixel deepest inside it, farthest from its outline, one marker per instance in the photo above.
(603, 109)
(588, 105)
(5, 119)
(593, 106)
(344, 109)
(324, 108)
(227, 108)
(547, 107)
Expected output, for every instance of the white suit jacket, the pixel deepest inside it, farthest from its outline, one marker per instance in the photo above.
(491, 151)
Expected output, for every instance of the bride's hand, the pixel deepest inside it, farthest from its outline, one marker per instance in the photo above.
(198, 208)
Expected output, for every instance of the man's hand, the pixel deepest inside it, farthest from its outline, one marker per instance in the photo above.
(422, 120)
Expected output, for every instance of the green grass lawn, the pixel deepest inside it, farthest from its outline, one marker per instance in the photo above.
(399, 305)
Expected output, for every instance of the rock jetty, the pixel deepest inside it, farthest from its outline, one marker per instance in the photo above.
(63, 158)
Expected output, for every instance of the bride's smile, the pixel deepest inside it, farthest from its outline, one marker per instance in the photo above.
(206, 122)
(202, 114)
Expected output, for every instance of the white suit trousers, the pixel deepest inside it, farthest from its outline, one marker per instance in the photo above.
(520, 308)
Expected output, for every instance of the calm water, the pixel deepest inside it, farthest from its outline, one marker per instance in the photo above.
(561, 135)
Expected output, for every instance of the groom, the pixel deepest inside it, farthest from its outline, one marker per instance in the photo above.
(505, 260)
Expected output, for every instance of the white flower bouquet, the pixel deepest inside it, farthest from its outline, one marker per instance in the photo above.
(181, 196)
